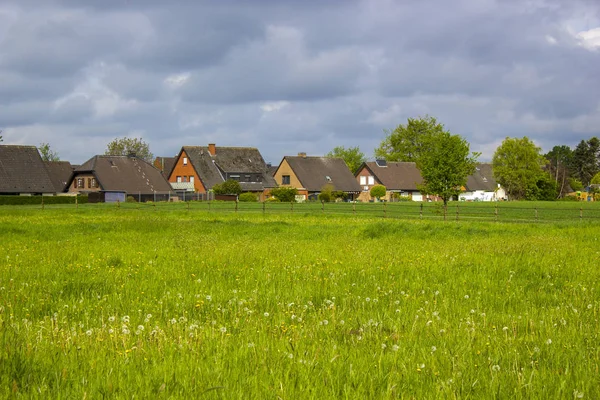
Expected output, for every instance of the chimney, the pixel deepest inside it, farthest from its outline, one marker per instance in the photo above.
(212, 149)
(131, 154)
(303, 155)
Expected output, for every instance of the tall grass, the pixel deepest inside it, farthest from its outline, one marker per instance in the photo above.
(174, 304)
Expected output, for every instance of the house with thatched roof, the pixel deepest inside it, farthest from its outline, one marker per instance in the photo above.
(22, 172)
(113, 178)
(198, 169)
(310, 175)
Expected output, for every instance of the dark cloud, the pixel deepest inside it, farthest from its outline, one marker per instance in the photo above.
(288, 76)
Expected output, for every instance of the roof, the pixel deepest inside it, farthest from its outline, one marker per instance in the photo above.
(23, 171)
(165, 165)
(482, 179)
(396, 175)
(60, 173)
(124, 174)
(212, 169)
(316, 172)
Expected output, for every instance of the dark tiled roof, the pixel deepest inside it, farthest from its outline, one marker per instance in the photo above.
(228, 160)
(397, 175)
(23, 171)
(482, 179)
(165, 165)
(313, 173)
(60, 172)
(123, 173)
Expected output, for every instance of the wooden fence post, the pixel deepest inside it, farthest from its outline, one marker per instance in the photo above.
(536, 214)
(77, 202)
(580, 214)
(236, 206)
(421, 212)
(263, 206)
(354, 208)
(292, 207)
(457, 211)
(384, 210)
(445, 211)
(323, 206)
(496, 212)
(42, 202)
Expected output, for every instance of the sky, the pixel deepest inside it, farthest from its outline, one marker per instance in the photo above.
(290, 76)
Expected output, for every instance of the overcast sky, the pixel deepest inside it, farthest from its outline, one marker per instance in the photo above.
(288, 76)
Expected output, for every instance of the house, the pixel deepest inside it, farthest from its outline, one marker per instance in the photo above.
(22, 172)
(311, 174)
(59, 172)
(198, 169)
(113, 178)
(481, 185)
(400, 178)
(165, 165)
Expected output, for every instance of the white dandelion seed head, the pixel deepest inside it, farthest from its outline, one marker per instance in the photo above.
(266, 314)
(111, 319)
(88, 332)
(495, 368)
(433, 349)
(395, 347)
(549, 341)
(223, 329)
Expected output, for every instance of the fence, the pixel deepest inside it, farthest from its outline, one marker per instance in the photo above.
(455, 211)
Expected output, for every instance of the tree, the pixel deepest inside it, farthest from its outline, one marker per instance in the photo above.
(326, 194)
(47, 153)
(560, 158)
(230, 186)
(126, 146)
(517, 166)
(285, 194)
(378, 191)
(445, 164)
(352, 156)
(596, 179)
(406, 142)
(586, 160)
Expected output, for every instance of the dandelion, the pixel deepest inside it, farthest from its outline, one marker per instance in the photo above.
(437, 292)
(325, 322)
(505, 329)
(577, 394)
(140, 328)
(536, 349)
(125, 319)
(111, 319)
(383, 346)
(251, 344)
(223, 329)
(549, 341)
(148, 316)
(433, 349)
(429, 322)
(342, 322)
(125, 331)
(442, 331)
(266, 314)
(88, 332)
(367, 299)
(299, 319)
(208, 297)
(589, 306)
(495, 368)
(290, 355)
(173, 321)
(111, 331)
(395, 347)
(466, 297)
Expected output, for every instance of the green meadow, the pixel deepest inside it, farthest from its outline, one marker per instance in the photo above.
(161, 301)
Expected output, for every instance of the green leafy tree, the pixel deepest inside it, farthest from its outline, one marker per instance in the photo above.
(126, 146)
(378, 191)
(575, 184)
(586, 161)
(445, 164)
(517, 166)
(596, 179)
(407, 142)
(230, 186)
(47, 153)
(560, 158)
(352, 156)
(285, 194)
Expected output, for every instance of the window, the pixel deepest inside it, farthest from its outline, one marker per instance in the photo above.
(185, 178)
(371, 180)
(234, 177)
(178, 179)
(248, 178)
(363, 180)
(80, 183)
(184, 160)
(94, 183)
(192, 178)
(285, 179)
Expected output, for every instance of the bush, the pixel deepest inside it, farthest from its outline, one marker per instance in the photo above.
(285, 194)
(272, 200)
(248, 197)
(228, 187)
(35, 200)
(130, 199)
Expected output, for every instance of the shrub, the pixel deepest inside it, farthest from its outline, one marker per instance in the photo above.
(248, 197)
(285, 194)
(272, 200)
(228, 187)
(130, 199)
(378, 191)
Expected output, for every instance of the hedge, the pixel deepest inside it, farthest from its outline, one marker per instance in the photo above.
(37, 200)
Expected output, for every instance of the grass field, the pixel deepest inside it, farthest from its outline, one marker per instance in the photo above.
(122, 303)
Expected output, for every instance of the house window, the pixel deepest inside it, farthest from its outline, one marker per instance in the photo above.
(192, 178)
(285, 179)
(178, 179)
(371, 180)
(80, 183)
(363, 180)
(248, 178)
(94, 183)
(184, 160)
(234, 177)
(185, 178)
